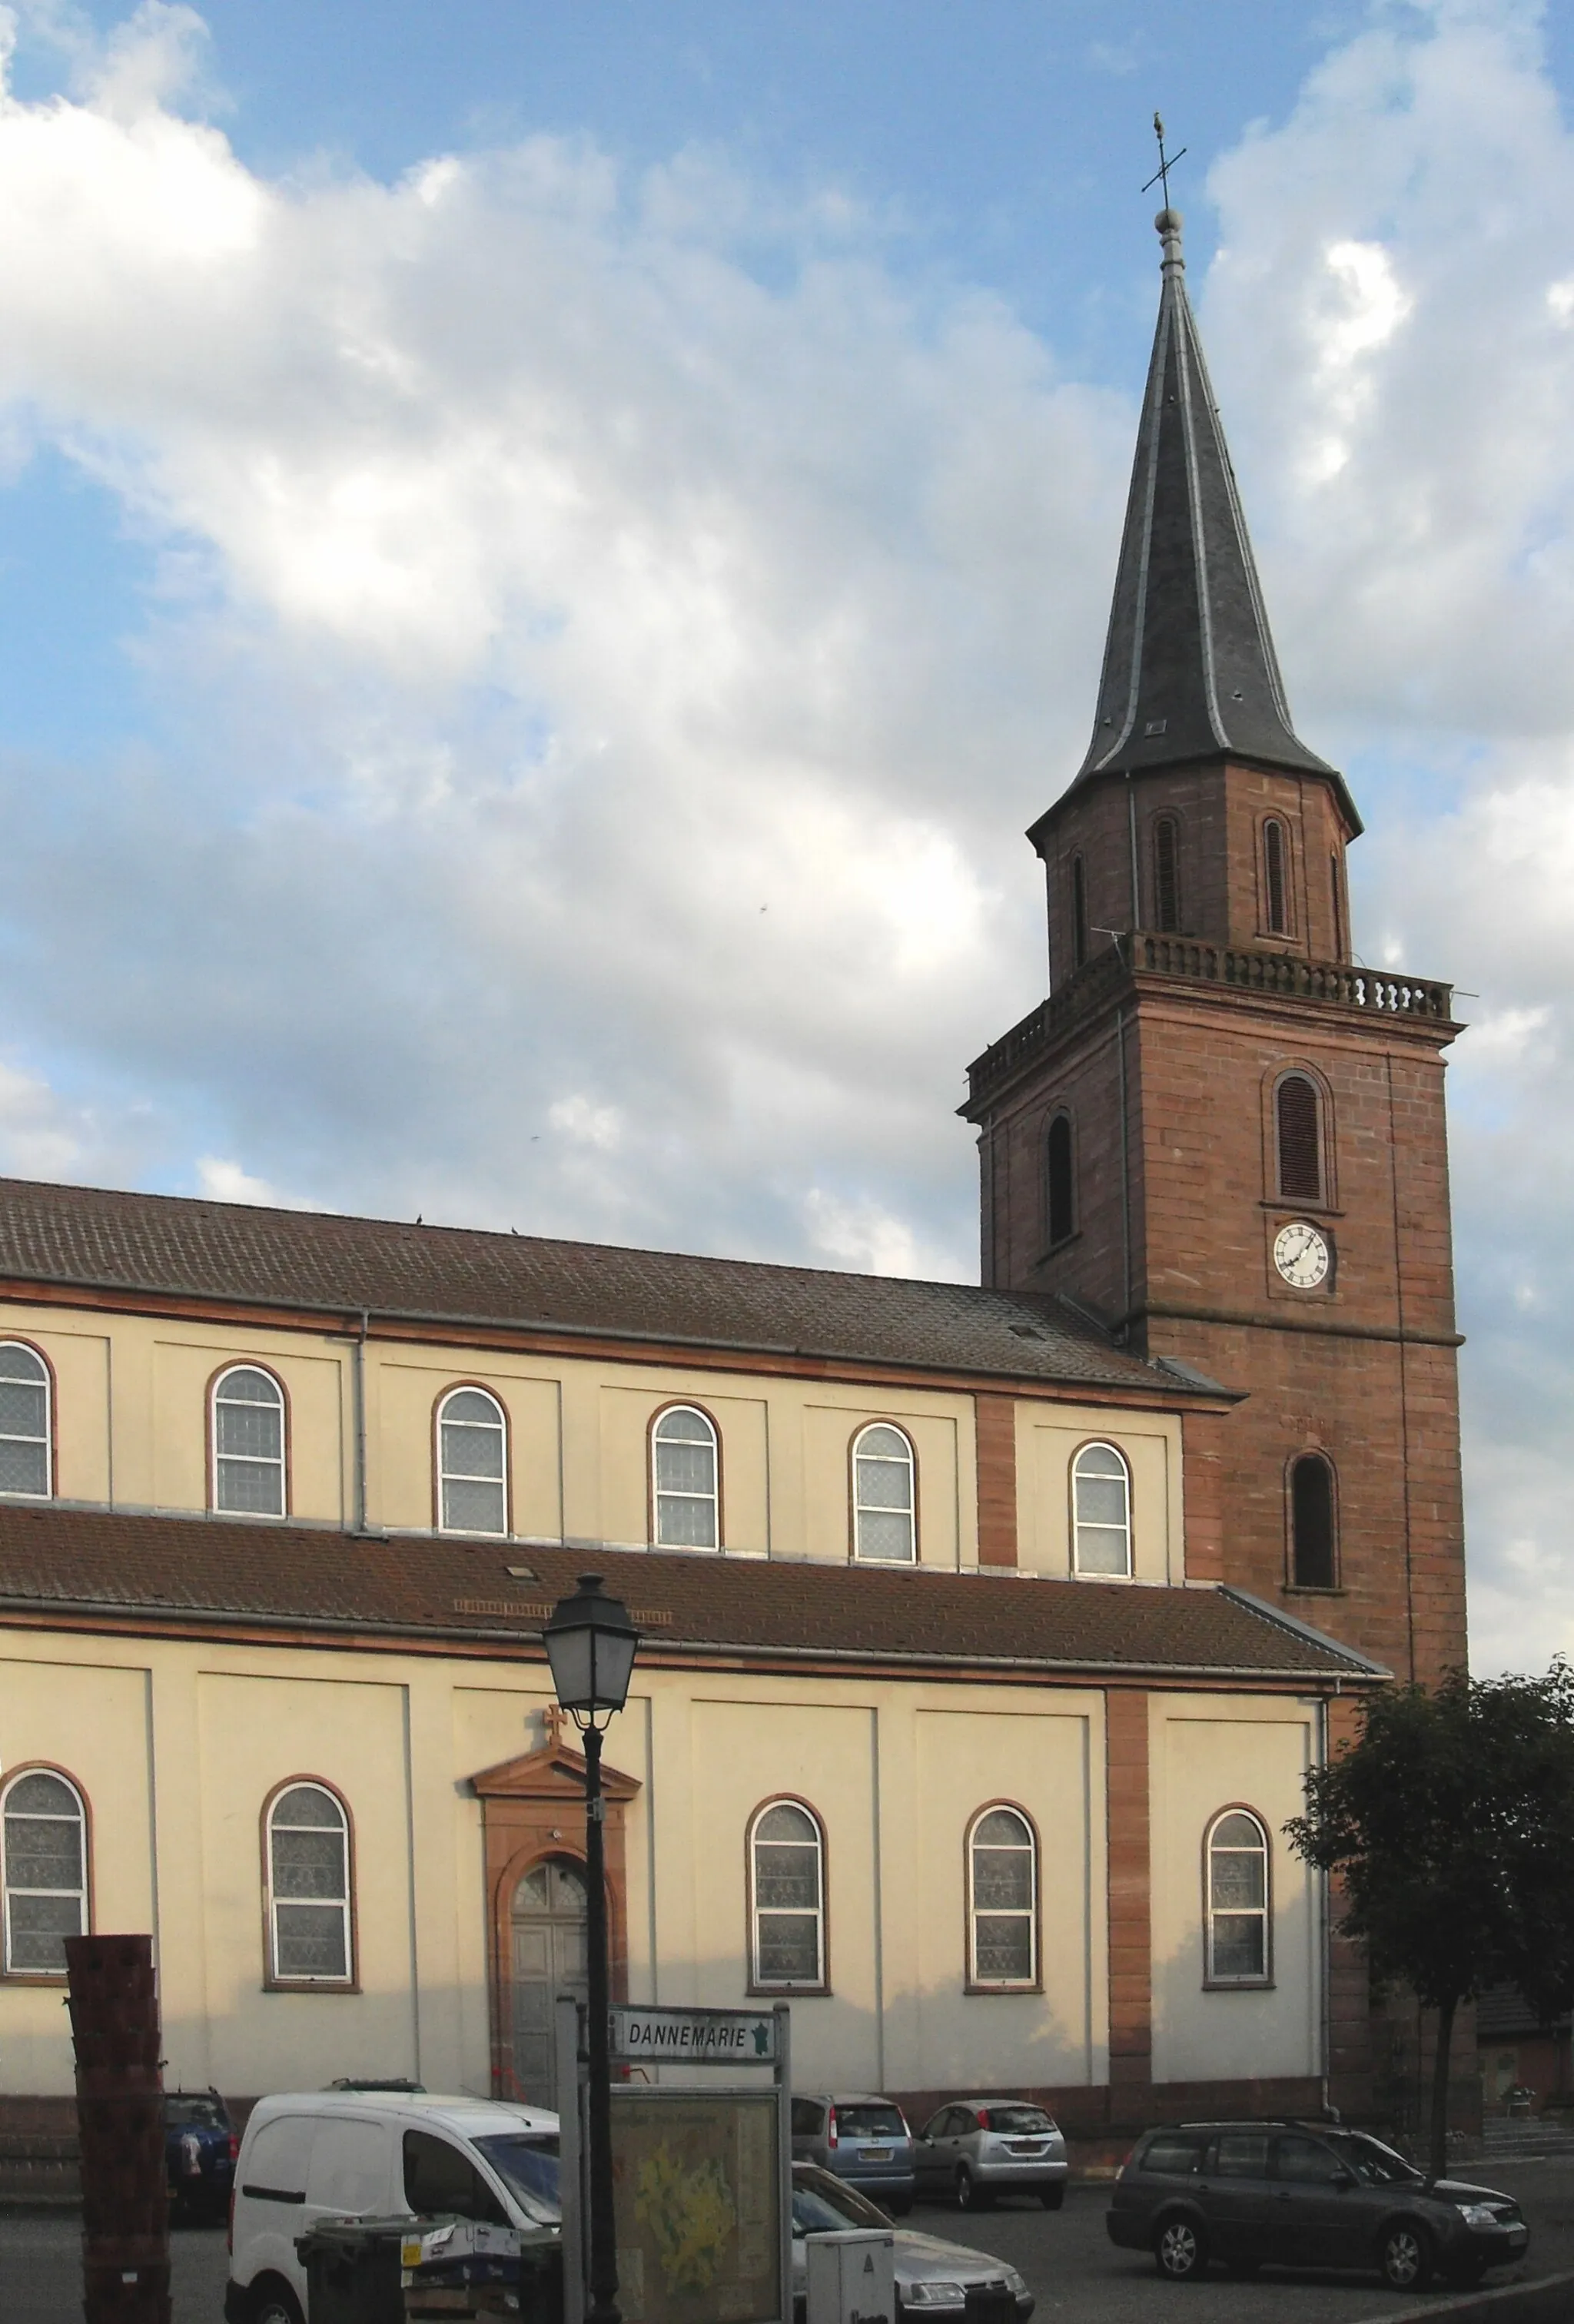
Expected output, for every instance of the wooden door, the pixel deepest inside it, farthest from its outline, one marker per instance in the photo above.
(548, 1960)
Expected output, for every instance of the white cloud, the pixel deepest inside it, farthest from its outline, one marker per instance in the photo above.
(611, 633)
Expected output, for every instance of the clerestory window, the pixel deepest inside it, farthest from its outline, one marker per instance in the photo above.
(248, 1444)
(1101, 1512)
(884, 1503)
(685, 1479)
(24, 1422)
(472, 1463)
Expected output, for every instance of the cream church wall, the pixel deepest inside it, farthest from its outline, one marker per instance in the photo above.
(1209, 1752)
(1049, 1437)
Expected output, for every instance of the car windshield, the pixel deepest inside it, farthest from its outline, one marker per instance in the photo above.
(1019, 2121)
(870, 2122)
(526, 2161)
(825, 2206)
(1375, 2165)
(183, 2113)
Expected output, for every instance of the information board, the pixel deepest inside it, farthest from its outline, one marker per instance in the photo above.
(696, 2191)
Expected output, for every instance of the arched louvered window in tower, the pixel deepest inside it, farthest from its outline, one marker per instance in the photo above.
(1060, 1192)
(1337, 898)
(1313, 1553)
(1079, 911)
(1167, 874)
(1298, 1124)
(1276, 876)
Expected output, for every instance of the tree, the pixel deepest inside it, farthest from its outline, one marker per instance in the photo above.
(1450, 1819)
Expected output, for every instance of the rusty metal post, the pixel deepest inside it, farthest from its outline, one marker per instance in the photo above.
(120, 2115)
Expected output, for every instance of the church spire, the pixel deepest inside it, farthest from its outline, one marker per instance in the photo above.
(1190, 670)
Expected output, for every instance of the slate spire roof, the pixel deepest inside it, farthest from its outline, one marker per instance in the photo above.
(1189, 668)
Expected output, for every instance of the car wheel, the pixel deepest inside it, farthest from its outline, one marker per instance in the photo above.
(1181, 2249)
(274, 2302)
(970, 2195)
(1052, 2197)
(1404, 2257)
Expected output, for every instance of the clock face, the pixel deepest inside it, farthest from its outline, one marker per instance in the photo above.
(1301, 1255)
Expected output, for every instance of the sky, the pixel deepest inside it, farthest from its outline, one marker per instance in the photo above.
(550, 549)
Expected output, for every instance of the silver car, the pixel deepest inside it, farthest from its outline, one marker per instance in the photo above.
(978, 2148)
(933, 2278)
(862, 2138)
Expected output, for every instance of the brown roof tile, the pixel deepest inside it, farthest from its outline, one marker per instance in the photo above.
(225, 1572)
(162, 1244)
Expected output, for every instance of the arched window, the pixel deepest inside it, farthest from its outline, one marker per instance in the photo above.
(309, 1887)
(1314, 1558)
(1236, 1899)
(248, 1443)
(1276, 881)
(1059, 1199)
(1297, 1121)
(1338, 897)
(1078, 912)
(43, 1869)
(786, 1873)
(1002, 1880)
(472, 1463)
(24, 1422)
(1102, 1510)
(1167, 874)
(685, 1480)
(884, 1515)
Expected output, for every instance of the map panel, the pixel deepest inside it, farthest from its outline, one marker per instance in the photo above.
(697, 2196)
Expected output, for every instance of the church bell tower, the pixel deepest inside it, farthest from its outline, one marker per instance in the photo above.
(1220, 1134)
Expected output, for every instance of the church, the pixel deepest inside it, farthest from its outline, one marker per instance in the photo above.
(987, 1632)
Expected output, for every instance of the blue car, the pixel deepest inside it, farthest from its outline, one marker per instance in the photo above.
(201, 2147)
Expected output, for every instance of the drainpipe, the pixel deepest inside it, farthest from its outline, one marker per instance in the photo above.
(358, 1378)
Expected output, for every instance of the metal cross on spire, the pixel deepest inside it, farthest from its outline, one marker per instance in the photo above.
(1161, 176)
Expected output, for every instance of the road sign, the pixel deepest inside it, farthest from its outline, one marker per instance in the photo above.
(695, 2037)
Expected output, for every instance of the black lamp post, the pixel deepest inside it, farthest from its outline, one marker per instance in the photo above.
(591, 1644)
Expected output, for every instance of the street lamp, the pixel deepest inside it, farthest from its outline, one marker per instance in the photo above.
(591, 1644)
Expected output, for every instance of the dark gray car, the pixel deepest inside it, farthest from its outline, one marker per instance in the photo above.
(1300, 2195)
(863, 2139)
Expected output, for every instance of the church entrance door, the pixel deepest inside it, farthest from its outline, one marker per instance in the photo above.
(548, 1959)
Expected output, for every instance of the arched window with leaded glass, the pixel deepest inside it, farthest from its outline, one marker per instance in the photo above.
(1237, 1901)
(1102, 1513)
(247, 1429)
(884, 1501)
(25, 1431)
(311, 1908)
(1002, 1884)
(685, 1480)
(43, 1870)
(472, 1463)
(786, 1899)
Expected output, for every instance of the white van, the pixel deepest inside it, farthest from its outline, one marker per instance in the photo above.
(331, 2154)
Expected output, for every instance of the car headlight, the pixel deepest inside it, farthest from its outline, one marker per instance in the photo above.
(934, 2295)
(1477, 2215)
(1015, 2284)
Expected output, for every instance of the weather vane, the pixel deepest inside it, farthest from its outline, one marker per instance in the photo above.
(1161, 176)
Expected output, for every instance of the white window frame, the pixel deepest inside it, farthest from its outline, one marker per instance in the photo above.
(1255, 1979)
(660, 1492)
(908, 1459)
(308, 1979)
(458, 1476)
(759, 1982)
(82, 1893)
(1099, 1525)
(257, 1461)
(19, 1492)
(977, 1982)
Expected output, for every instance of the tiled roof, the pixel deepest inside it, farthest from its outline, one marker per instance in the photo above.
(162, 1244)
(220, 1572)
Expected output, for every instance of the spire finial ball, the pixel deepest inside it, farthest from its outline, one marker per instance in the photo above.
(1168, 222)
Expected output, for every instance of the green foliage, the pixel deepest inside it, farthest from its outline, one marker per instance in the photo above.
(1450, 1819)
